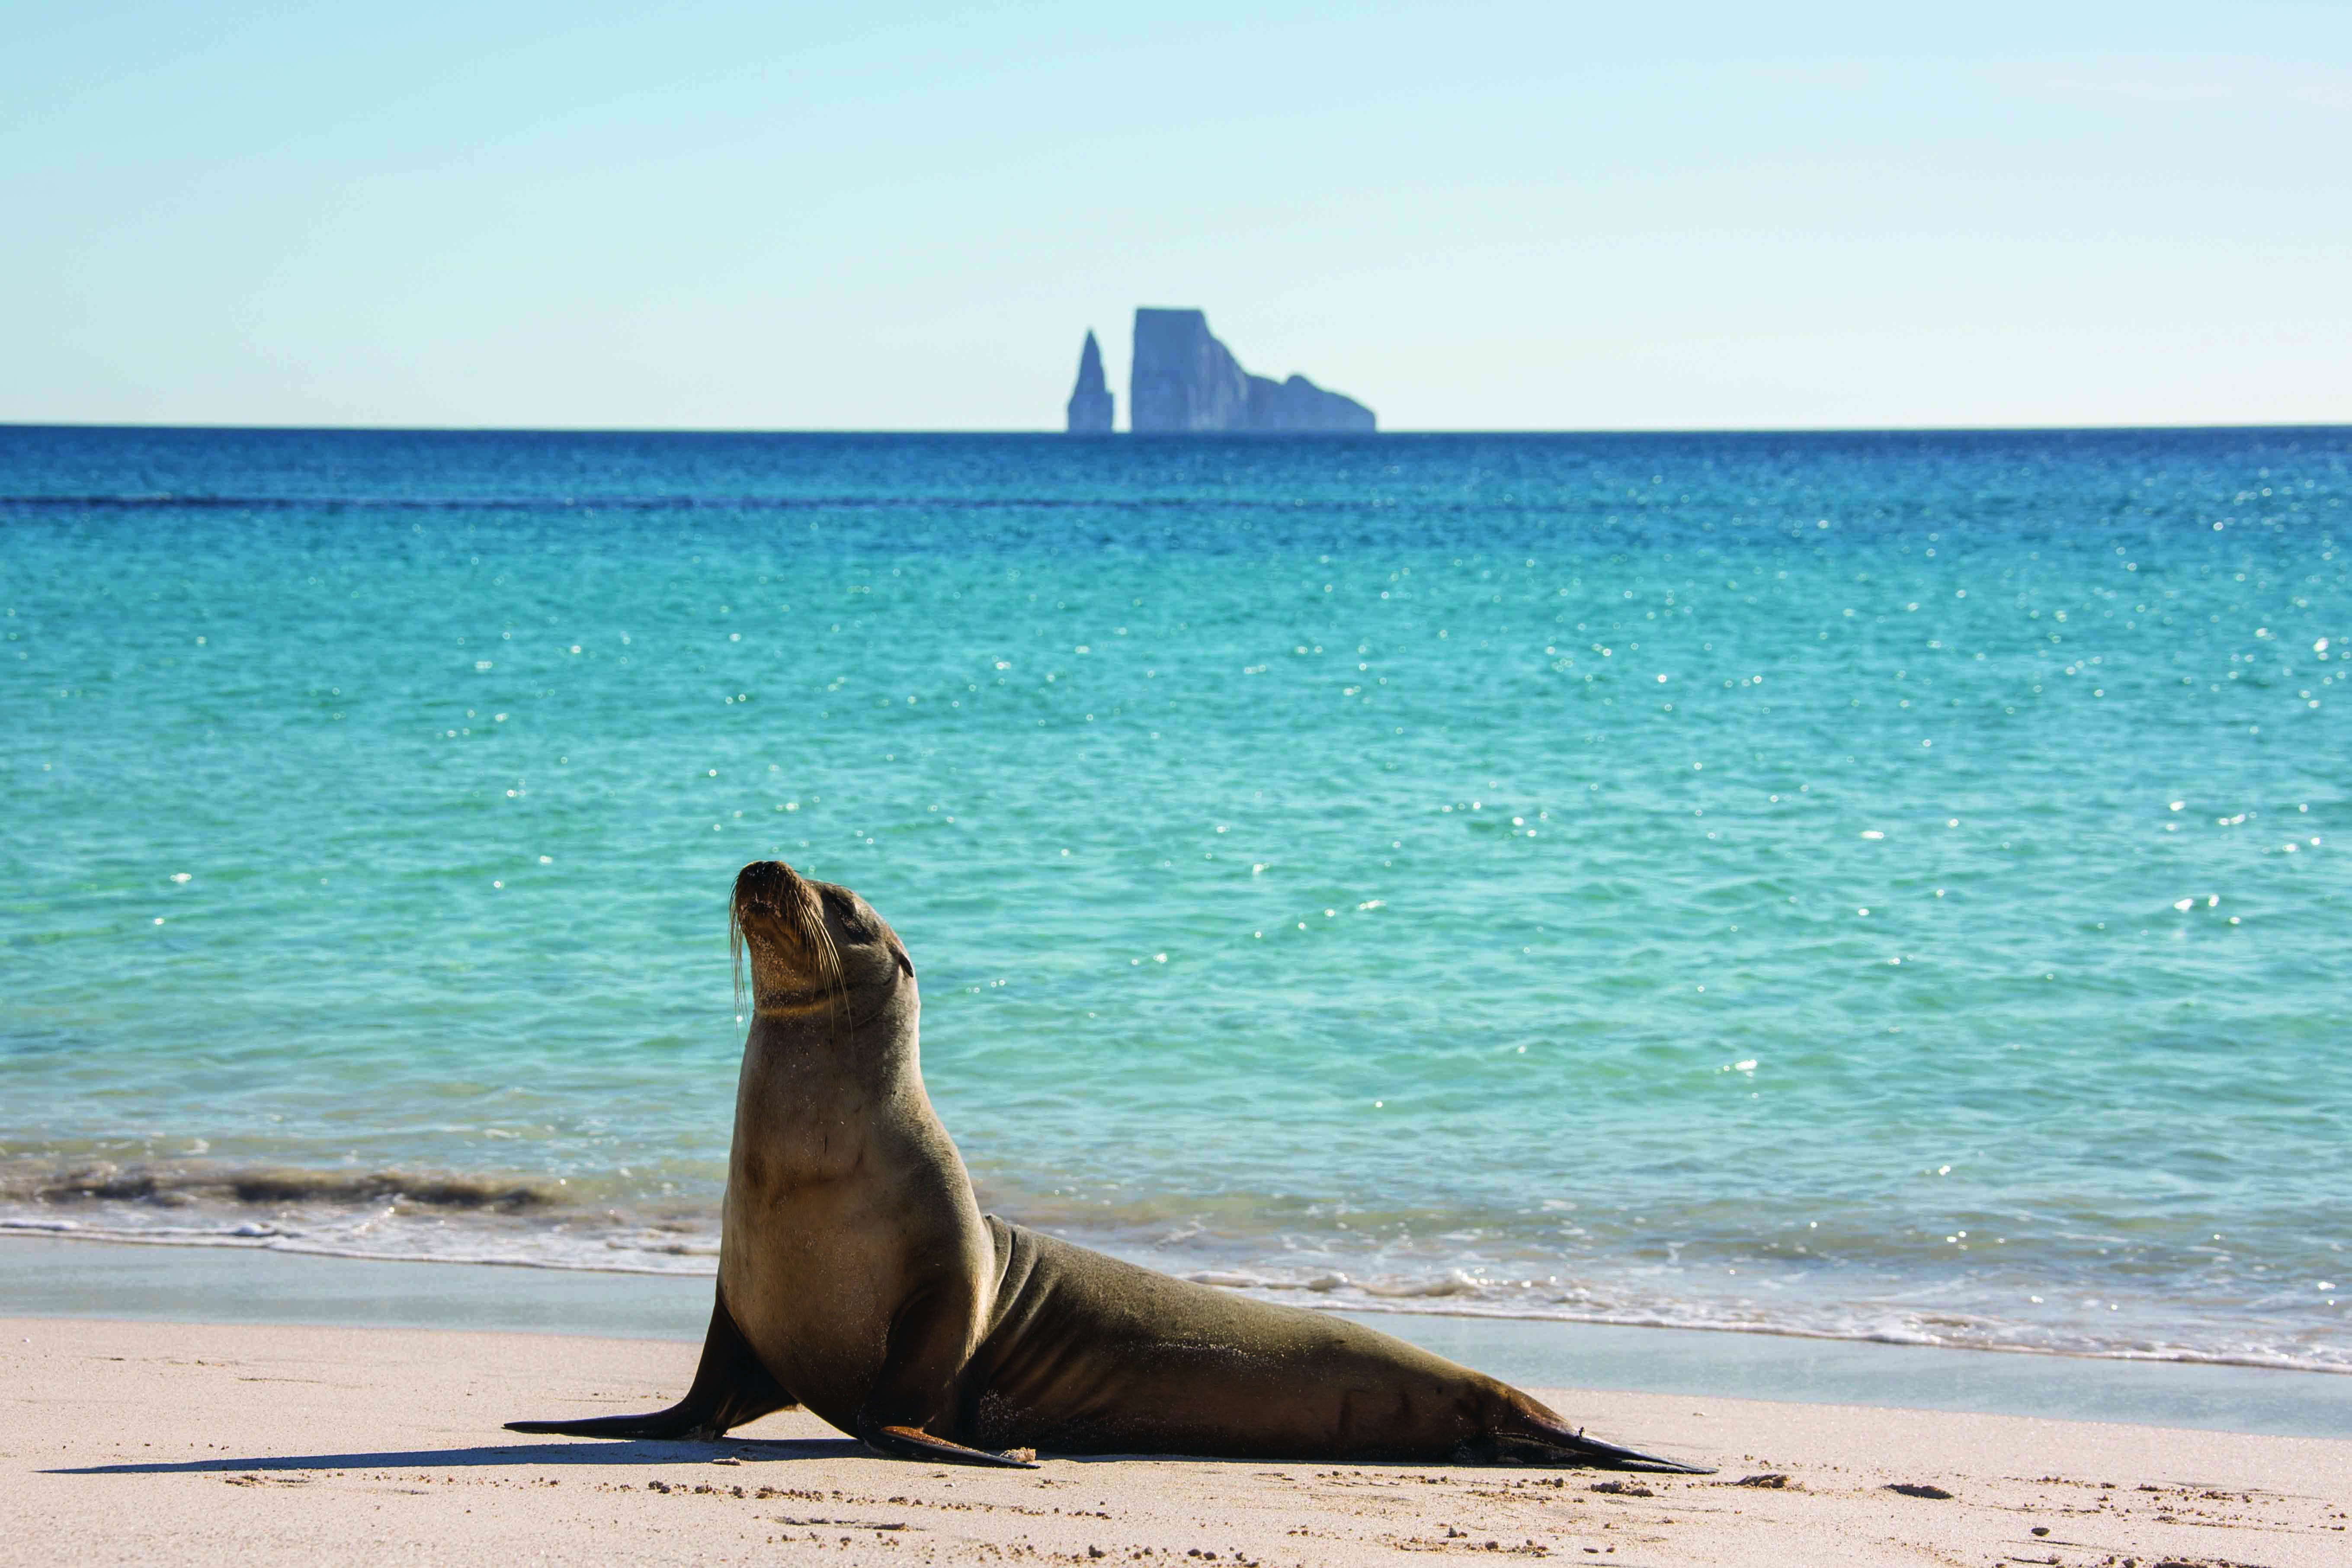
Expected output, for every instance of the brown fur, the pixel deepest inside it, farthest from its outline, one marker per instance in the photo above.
(858, 1278)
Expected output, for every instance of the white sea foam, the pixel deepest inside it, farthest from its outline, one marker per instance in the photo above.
(620, 1247)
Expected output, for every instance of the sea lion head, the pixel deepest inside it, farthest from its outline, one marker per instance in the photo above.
(812, 944)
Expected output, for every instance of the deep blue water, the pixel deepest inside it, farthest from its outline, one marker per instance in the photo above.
(1862, 884)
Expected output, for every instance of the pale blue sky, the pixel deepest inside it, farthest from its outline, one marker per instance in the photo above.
(906, 216)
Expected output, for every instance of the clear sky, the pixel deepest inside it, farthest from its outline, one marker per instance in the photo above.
(1484, 217)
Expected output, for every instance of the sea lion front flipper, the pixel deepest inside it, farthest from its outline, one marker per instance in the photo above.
(914, 1443)
(730, 1387)
(926, 1347)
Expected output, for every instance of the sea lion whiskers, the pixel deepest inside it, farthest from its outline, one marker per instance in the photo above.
(795, 914)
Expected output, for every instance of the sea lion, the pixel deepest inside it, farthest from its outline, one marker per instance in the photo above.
(857, 1276)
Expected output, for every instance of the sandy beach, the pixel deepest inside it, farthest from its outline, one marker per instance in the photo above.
(127, 1442)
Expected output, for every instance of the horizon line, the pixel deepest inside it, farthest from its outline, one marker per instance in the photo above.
(1158, 436)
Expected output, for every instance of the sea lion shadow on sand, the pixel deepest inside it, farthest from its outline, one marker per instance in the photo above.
(643, 1451)
(858, 1278)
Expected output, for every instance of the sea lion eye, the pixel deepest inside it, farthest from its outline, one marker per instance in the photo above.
(857, 922)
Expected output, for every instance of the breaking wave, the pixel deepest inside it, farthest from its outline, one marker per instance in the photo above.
(519, 1220)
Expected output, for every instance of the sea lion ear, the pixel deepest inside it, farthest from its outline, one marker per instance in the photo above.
(899, 952)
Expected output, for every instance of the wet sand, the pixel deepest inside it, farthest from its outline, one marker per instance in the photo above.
(155, 1442)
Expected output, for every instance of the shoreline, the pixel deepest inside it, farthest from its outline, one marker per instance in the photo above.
(232, 1242)
(175, 1443)
(46, 1276)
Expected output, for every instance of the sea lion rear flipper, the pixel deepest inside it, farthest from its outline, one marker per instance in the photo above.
(1564, 1448)
(730, 1387)
(1531, 1432)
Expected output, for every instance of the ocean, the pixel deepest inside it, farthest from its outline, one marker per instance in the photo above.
(1876, 886)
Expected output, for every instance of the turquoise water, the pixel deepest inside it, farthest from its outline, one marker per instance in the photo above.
(1883, 886)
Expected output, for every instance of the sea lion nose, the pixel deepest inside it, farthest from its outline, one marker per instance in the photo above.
(765, 882)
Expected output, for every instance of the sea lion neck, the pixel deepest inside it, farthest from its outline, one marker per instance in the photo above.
(862, 1038)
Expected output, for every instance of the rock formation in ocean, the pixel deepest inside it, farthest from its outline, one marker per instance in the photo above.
(1182, 379)
(1299, 404)
(1090, 404)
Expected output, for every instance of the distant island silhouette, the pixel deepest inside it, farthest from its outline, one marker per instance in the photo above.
(1090, 404)
(1181, 379)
